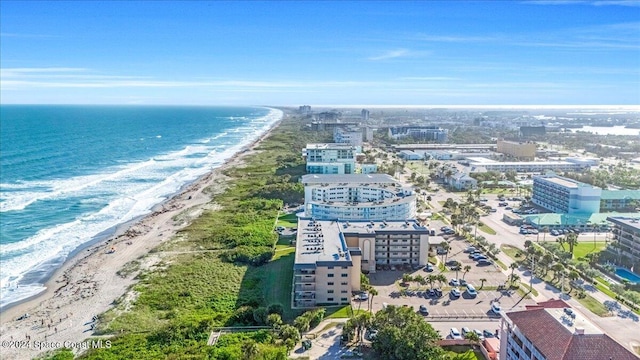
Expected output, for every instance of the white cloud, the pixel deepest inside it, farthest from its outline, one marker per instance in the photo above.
(391, 54)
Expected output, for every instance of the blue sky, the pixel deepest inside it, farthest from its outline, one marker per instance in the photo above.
(289, 53)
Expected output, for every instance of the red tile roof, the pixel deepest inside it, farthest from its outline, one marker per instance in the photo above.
(557, 342)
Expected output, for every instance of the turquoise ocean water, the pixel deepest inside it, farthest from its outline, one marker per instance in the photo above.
(71, 173)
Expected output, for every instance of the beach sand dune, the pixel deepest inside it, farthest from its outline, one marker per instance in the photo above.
(88, 284)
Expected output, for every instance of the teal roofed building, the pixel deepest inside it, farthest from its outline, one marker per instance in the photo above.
(574, 221)
(619, 200)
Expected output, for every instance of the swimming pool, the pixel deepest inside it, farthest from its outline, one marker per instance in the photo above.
(626, 274)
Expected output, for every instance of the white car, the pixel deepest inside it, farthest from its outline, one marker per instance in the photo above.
(495, 308)
(454, 282)
(455, 292)
(455, 334)
(363, 296)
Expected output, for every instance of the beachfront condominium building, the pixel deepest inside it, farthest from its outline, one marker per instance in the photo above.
(348, 135)
(357, 197)
(331, 158)
(626, 232)
(525, 151)
(562, 195)
(331, 254)
(429, 133)
(553, 331)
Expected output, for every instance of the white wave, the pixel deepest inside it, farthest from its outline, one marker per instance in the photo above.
(127, 197)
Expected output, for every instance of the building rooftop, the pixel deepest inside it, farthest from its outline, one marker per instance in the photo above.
(325, 146)
(559, 336)
(620, 194)
(348, 179)
(553, 219)
(320, 242)
(369, 227)
(484, 161)
(562, 182)
(633, 222)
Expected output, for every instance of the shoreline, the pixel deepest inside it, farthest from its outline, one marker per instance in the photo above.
(89, 279)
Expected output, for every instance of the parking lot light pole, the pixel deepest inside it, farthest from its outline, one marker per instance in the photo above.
(538, 229)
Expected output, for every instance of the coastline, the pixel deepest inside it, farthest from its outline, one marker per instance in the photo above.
(89, 279)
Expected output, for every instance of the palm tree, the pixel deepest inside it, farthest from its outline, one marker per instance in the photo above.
(466, 270)
(573, 276)
(482, 281)
(572, 240)
(562, 241)
(457, 265)
(513, 267)
(249, 350)
(514, 278)
(545, 230)
(431, 279)
(557, 270)
(441, 278)
(446, 247)
(372, 292)
(472, 337)
(406, 278)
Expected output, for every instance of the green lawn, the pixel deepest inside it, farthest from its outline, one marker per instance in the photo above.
(487, 229)
(584, 248)
(288, 220)
(461, 352)
(501, 264)
(593, 305)
(511, 251)
(277, 278)
(341, 312)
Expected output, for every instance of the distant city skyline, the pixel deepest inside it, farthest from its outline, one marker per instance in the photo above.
(413, 53)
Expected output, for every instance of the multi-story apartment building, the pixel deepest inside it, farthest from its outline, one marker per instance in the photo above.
(523, 166)
(331, 158)
(434, 133)
(326, 271)
(626, 232)
(518, 150)
(551, 332)
(562, 195)
(348, 135)
(364, 114)
(619, 200)
(331, 254)
(357, 197)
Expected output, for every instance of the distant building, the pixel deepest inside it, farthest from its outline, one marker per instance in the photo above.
(563, 195)
(523, 166)
(357, 197)
(550, 332)
(531, 131)
(626, 232)
(410, 155)
(331, 158)
(584, 162)
(462, 181)
(304, 109)
(331, 254)
(367, 168)
(364, 115)
(329, 116)
(329, 125)
(433, 133)
(619, 200)
(347, 135)
(525, 151)
(368, 133)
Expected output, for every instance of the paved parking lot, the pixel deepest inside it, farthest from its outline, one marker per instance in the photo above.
(447, 307)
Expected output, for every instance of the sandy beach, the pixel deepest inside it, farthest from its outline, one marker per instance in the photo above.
(88, 284)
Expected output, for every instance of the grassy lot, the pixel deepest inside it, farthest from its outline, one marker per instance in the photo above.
(342, 312)
(501, 264)
(276, 281)
(288, 220)
(462, 352)
(511, 251)
(529, 288)
(605, 289)
(593, 305)
(584, 248)
(485, 228)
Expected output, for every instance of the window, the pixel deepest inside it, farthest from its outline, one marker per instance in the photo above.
(344, 283)
(330, 275)
(345, 267)
(343, 291)
(330, 267)
(329, 299)
(344, 299)
(345, 275)
(330, 283)
(329, 291)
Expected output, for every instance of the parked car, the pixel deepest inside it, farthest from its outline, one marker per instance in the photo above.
(470, 249)
(424, 310)
(431, 293)
(484, 262)
(362, 297)
(428, 268)
(554, 232)
(508, 208)
(479, 333)
(487, 333)
(454, 282)
(495, 308)
(438, 292)
(455, 292)
(462, 282)
(465, 331)
(455, 334)
(451, 262)
(471, 290)
(474, 254)
(371, 335)
(480, 257)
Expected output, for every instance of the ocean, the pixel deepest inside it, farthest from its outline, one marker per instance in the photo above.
(70, 174)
